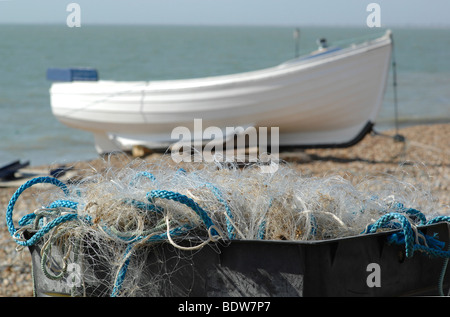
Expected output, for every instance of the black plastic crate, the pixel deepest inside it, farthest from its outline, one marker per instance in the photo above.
(363, 265)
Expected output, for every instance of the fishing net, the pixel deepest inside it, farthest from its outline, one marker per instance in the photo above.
(99, 231)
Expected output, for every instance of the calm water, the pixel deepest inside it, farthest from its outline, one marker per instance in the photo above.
(28, 130)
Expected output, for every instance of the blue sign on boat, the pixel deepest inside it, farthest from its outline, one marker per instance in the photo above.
(72, 74)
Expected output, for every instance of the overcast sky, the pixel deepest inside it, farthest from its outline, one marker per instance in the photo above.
(230, 12)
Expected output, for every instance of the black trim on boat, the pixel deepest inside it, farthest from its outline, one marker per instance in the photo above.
(358, 138)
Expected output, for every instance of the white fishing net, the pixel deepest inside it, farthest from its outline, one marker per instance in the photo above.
(123, 213)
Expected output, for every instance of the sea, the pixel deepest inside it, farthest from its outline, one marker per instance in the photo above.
(30, 132)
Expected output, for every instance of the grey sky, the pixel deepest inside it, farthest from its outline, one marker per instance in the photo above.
(230, 12)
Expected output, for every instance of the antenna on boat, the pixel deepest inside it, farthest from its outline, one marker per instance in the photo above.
(297, 41)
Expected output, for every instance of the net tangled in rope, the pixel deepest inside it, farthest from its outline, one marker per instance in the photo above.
(121, 213)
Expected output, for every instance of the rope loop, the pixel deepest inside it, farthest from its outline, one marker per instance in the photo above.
(26, 221)
(21, 189)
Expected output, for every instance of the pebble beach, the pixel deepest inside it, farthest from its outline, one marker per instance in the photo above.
(422, 159)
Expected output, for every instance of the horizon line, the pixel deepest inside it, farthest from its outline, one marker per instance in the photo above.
(287, 25)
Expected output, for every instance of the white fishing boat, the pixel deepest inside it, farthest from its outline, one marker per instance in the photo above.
(328, 98)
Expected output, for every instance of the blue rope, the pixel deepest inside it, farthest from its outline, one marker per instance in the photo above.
(143, 174)
(218, 194)
(122, 272)
(313, 223)
(414, 213)
(29, 218)
(407, 236)
(143, 206)
(170, 195)
(63, 204)
(261, 230)
(9, 210)
(124, 268)
(439, 219)
(46, 229)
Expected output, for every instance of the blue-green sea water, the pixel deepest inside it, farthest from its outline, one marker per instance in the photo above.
(28, 130)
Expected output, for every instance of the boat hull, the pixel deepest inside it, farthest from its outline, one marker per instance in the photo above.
(330, 100)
